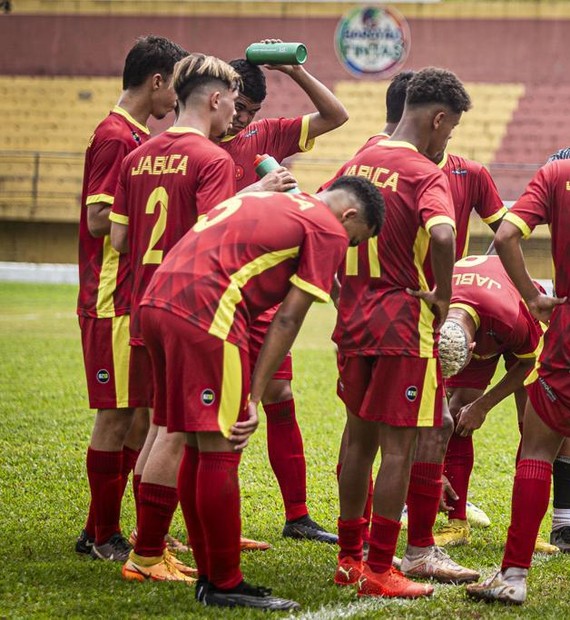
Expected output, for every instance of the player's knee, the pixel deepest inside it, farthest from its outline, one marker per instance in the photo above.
(277, 391)
(111, 428)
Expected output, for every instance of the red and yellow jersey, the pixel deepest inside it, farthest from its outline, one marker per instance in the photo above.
(104, 281)
(278, 137)
(243, 257)
(471, 188)
(376, 314)
(504, 324)
(164, 187)
(546, 200)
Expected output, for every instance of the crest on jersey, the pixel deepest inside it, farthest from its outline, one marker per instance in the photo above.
(372, 41)
(239, 172)
(208, 396)
(103, 376)
(412, 393)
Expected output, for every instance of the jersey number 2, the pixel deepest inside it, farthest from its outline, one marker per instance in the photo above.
(159, 198)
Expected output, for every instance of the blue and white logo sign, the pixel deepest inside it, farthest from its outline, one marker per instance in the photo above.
(372, 41)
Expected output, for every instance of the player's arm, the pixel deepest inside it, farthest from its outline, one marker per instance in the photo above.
(330, 112)
(442, 248)
(119, 235)
(472, 416)
(508, 246)
(98, 219)
(279, 339)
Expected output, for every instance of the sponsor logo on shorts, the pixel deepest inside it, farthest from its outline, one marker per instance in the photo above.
(103, 376)
(208, 396)
(412, 393)
(549, 391)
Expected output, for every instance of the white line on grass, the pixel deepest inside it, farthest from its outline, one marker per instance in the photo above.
(350, 610)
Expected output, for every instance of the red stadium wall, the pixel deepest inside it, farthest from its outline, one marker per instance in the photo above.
(479, 50)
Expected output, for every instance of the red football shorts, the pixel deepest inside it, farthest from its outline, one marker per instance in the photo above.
(257, 332)
(201, 383)
(550, 397)
(399, 391)
(479, 373)
(114, 378)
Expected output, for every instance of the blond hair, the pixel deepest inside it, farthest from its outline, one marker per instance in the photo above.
(453, 348)
(197, 70)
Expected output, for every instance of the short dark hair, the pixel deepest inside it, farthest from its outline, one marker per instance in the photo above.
(253, 79)
(433, 85)
(396, 96)
(369, 197)
(561, 154)
(148, 56)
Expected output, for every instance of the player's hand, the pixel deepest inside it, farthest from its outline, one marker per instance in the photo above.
(287, 69)
(242, 431)
(278, 180)
(438, 305)
(446, 491)
(542, 306)
(470, 418)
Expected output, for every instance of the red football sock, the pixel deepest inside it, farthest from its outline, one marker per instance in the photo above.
(458, 467)
(130, 457)
(287, 457)
(424, 493)
(531, 493)
(157, 504)
(218, 503)
(187, 478)
(367, 507)
(383, 539)
(350, 538)
(106, 484)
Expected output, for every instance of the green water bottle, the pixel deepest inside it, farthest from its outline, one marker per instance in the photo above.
(276, 53)
(264, 164)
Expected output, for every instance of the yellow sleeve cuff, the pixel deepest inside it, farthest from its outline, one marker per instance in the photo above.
(95, 198)
(513, 218)
(439, 219)
(313, 290)
(304, 143)
(496, 216)
(119, 219)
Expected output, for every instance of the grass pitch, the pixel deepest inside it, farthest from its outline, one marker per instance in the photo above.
(44, 430)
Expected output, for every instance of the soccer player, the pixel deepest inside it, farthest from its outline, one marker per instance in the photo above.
(546, 200)
(104, 295)
(395, 293)
(164, 187)
(280, 137)
(487, 319)
(248, 254)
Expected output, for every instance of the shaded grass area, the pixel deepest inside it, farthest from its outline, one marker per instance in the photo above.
(44, 430)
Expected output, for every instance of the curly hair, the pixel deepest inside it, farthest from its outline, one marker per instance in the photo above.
(148, 56)
(433, 85)
(396, 96)
(253, 80)
(370, 199)
(196, 70)
(453, 348)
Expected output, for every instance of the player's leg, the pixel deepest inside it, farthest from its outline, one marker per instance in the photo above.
(458, 466)
(287, 457)
(362, 442)
(157, 492)
(560, 535)
(423, 558)
(531, 492)
(107, 358)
